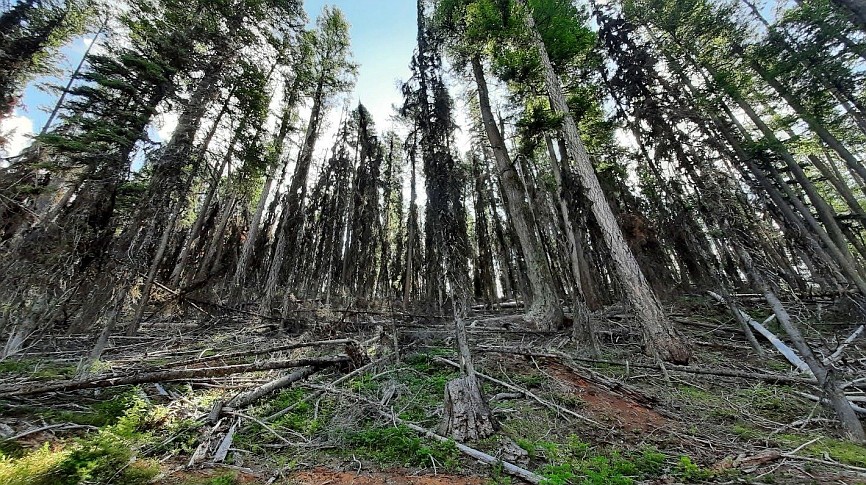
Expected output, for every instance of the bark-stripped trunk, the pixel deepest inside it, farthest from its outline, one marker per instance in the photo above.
(824, 373)
(583, 330)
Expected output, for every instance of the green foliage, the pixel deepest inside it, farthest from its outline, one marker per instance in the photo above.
(105, 457)
(105, 412)
(38, 369)
(745, 432)
(691, 472)
(577, 462)
(230, 478)
(400, 446)
(839, 450)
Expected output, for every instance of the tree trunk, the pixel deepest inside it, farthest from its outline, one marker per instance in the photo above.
(583, 329)
(545, 312)
(467, 415)
(660, 337)
(279, 147)
(290, 217)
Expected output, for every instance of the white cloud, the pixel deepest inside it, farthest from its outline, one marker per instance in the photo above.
(17, 130)
(166, 124)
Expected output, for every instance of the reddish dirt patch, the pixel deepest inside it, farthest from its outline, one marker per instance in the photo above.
(602, 403)
(323, 476)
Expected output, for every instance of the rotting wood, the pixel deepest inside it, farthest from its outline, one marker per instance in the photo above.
(172, 375)
(466, 415)
(222, 450)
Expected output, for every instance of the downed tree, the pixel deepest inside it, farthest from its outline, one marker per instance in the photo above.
(172, 375)
(244, 400)
(262, 351)
(786, 351)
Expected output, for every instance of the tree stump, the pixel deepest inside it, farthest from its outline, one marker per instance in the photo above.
(467, 416)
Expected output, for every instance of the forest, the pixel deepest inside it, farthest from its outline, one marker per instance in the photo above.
(595, 242)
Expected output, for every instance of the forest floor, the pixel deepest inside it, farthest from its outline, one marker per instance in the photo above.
(616, 418)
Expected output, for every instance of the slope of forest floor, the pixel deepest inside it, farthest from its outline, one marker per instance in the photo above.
(616, 418)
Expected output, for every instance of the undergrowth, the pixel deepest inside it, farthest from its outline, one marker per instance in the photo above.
(106, 456)
(400, 446)
(576, 462)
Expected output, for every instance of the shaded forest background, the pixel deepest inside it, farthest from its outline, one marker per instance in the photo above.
(625, 155)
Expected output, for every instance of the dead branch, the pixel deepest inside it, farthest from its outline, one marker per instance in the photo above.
(171, 375)
(267, 350)
(839, 350)
(471, 452)
(770, 378)
(244, 400)
(786, 351)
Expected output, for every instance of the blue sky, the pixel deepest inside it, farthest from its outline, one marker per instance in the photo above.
(383, 38)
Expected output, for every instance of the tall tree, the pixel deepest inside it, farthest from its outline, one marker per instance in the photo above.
(660, 337)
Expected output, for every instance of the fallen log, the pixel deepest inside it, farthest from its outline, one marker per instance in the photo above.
(244, 400)
(172, 375)
(786, 351)
(266, 350)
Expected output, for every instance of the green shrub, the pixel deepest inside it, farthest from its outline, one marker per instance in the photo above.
(691, 472)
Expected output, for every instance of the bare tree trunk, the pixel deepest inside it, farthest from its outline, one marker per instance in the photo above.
(216, 240)
(411, 222)
(467, 415)
(810, 120)
(660, 337)
(294, 201)
(279, 148)
(73, 77)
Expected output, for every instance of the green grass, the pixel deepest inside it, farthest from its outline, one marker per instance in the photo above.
(576, 462)
(102, 413)
(230, 478)
(400, 446)
(839, 450)
(37, 369)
